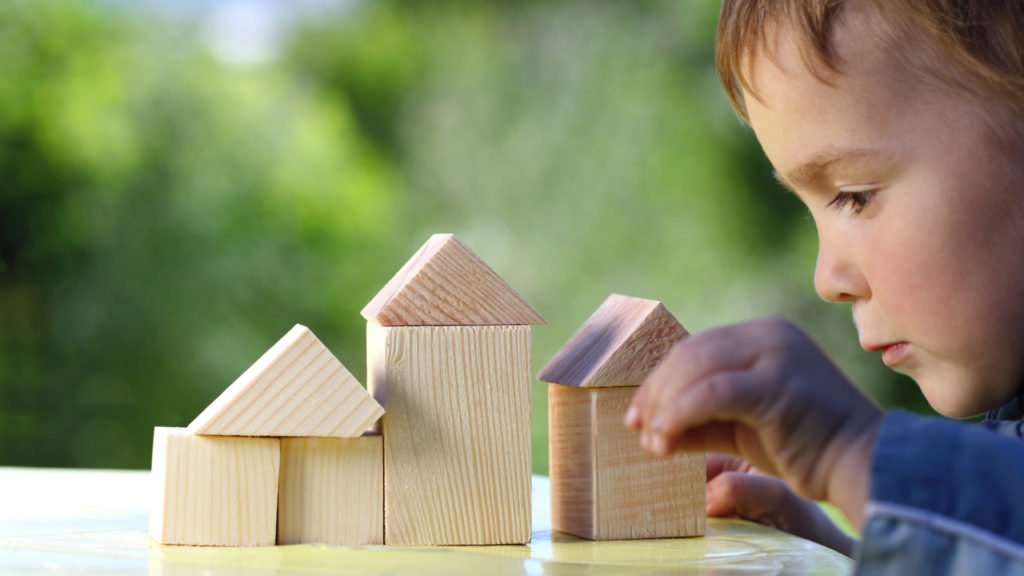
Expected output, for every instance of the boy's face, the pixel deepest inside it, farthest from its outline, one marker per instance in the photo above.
(926, 238)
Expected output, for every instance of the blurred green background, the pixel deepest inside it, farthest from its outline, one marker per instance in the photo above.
(181, 182)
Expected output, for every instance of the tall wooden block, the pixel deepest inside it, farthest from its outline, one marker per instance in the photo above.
(456, 432)
(213, 491)
(604, 485)
(332, 491)
(297, 388)
(447, 284)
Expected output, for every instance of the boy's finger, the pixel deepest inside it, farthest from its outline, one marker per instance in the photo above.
(724, 438)
(712, 437)
(633, 418)
(721, 463)
(733, 396)
(751, 496)
(693, 359)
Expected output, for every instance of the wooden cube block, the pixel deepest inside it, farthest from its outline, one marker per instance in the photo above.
(332, 491)
(603, 485)
(456, 432)
(213, 491)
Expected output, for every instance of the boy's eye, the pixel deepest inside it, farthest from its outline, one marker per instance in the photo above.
(856, 201)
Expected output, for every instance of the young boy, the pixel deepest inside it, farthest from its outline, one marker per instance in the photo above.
(900, 124)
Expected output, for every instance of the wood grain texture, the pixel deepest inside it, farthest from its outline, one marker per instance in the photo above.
(297, 388)
(331, 491)
(604, 486)
(618, 345)
(446, 284)
(570, 460)
(213, 491)
(456, 433)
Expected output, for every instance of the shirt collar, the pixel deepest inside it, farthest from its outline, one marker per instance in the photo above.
(1012, 410)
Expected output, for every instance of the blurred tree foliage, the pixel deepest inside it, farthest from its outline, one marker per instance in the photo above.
(165, 216)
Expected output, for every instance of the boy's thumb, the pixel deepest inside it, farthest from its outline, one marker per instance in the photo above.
(751, 496)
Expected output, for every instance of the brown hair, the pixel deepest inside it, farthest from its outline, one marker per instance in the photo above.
(975, 46)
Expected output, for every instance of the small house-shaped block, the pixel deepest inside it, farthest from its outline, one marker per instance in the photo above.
(604, 486)
(280, 456)
(448, 356)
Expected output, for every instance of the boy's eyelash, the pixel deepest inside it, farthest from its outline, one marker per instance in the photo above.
(856, 201)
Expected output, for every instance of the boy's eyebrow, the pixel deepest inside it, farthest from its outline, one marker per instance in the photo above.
(821, 163)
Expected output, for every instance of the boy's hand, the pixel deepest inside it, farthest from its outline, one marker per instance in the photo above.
(735, 488)
(764, 391)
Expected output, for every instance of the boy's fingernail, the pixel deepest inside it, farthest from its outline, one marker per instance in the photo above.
(632, 416)
(645, 440)
(660, 446)
(656, 424)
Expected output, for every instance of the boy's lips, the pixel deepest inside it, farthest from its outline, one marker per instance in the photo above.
(893, 353)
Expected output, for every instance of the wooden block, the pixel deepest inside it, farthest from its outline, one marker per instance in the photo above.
(213, 491)
(456, 432)
(617, 346)
(297, 388)
(603, 485)
(332, 491)
(446, 284)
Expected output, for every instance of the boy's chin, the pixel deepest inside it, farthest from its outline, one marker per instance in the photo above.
(956, 400)
(956, 411)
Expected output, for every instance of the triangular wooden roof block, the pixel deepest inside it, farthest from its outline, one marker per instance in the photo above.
(297, 388)
(446, 284)
(617, 346)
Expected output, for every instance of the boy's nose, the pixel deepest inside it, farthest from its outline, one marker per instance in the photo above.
(836, 277)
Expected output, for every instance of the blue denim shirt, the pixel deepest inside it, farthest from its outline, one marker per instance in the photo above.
(946, 497)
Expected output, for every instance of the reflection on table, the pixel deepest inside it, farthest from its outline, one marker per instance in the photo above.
(94, 521)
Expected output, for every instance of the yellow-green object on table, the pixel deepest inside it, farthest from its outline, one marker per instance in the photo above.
(95, 521)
